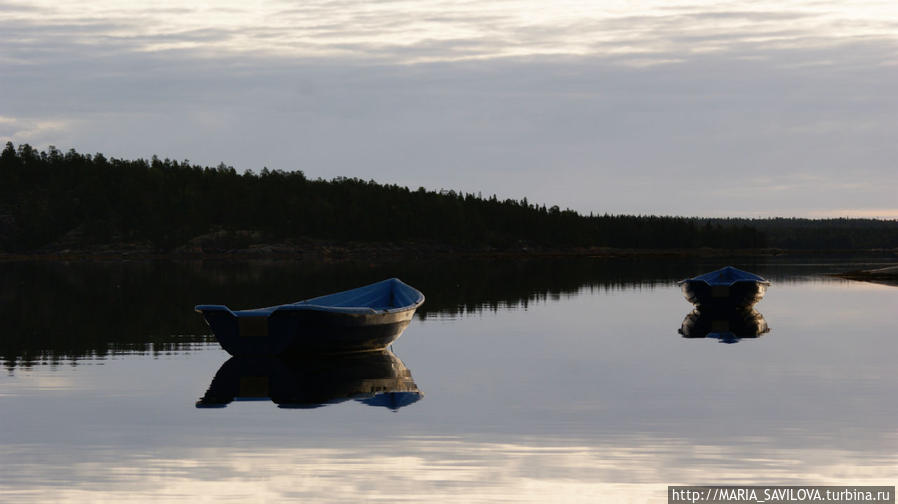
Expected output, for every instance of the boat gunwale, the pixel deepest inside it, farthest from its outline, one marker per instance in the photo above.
(756, 280)
(746, 280)
(305, 305)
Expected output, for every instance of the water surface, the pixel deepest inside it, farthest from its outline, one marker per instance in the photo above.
(540, 381)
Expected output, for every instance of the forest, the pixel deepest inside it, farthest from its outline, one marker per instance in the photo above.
(51, 197)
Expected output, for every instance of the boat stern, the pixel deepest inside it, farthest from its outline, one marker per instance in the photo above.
(244, 333)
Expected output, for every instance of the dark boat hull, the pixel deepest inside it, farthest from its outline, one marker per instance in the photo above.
(297, 332)
(741, 294)
(363, 319)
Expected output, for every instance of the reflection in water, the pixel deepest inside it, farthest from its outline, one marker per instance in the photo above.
(373, 378)
(570, 401)
(145, 306)
(447, 470)
(727, 325)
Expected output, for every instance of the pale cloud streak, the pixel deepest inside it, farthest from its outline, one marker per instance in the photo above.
(46, 129)
(599, 106)
(476, 29)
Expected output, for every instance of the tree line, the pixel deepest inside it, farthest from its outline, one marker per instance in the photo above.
(48, 196)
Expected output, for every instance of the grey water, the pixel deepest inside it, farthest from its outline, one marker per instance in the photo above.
(554, 380)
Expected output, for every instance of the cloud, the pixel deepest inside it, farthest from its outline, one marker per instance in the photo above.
(598, 111)
(499, 29)
(12, 129)
(863, 213)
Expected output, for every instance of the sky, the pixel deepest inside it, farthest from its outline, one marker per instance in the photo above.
(712, 108)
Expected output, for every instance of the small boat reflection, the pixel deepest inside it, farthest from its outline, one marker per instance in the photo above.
(374, 378)
(729, 326)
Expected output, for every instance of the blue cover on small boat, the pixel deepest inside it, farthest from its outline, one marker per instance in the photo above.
(727, 276)
(393, 400)
(386, 296)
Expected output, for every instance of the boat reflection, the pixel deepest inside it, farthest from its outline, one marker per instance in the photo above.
(373, 378)
(727, 325)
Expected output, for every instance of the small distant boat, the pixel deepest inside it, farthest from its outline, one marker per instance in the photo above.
(727, 287)
(362, 319)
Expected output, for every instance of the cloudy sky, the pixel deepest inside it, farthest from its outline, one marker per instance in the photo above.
(739, 108)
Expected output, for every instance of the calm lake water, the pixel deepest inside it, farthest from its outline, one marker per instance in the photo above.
(541, 381)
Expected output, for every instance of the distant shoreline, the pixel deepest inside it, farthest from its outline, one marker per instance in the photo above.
(327, 251)
(887, 275)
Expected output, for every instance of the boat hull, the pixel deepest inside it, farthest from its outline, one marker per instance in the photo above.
(742, 294)
(363, 319)
(297, 332)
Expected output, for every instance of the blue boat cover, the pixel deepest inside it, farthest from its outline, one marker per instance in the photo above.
(387, 296)
(393, 400)
(728, 276)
